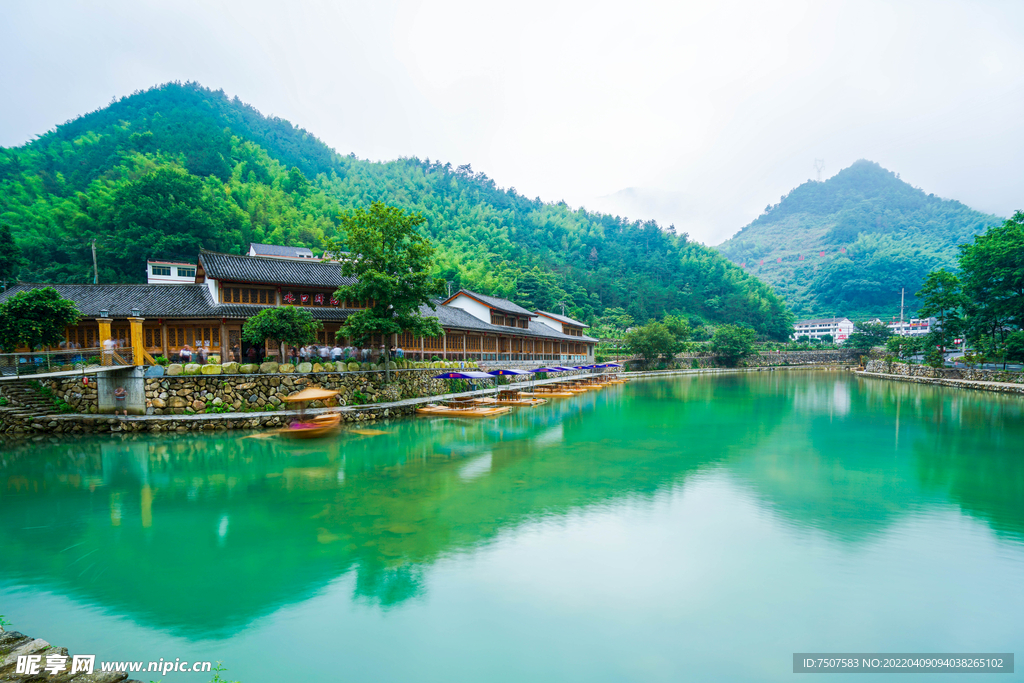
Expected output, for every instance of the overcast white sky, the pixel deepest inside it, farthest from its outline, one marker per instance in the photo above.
(692, 113)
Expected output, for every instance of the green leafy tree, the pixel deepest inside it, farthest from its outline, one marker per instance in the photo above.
(35, 318)
(903, 347)
(933, 355)
(942, 297)
(868, 335)
(391, 262)
(1014, 346)
(732, 343)
(168, 213)
(10, 256)
(651, 342)
(679, 328)
(992, 273)
(287, 324)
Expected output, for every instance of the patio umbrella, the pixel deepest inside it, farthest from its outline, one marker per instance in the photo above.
(464, 374)
(468, 374)
(508, 372)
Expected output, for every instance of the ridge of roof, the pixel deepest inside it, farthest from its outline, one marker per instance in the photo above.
(561, 318)
(495, 302)
(278, 250)
(837, 319)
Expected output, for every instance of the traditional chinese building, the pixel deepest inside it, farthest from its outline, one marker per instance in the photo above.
(228, 289)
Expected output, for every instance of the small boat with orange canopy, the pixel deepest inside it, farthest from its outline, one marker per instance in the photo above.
(320, 425)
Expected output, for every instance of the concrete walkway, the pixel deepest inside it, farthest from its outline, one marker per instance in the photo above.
(57, 374)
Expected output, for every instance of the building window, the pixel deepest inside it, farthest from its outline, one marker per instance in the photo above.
(165, 270)
(185, 272)
(245, 295)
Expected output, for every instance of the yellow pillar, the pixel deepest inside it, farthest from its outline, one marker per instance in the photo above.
(147, 506)
(138, 342)
(104, 323)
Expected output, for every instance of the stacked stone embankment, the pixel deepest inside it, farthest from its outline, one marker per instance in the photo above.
(963, 378)
(776, 359)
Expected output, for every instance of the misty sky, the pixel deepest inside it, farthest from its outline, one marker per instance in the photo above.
(693, 113)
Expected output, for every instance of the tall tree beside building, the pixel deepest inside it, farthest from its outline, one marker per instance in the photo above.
(992, 273)
(35, 318)
(942, 297)
(391, 261)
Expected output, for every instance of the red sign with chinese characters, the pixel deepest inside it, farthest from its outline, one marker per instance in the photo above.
(334, 302)
(289, 298)
(318, 299)
(305, 299)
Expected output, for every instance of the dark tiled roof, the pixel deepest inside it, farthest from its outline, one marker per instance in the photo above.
(195, 301)
(275, 250)
(271, 270)
(153, 301)
(501, 304)
(562, 318)
(821, 321)
(449, 316)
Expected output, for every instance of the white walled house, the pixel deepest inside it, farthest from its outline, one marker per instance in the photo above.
(170, 273)
(838, 328)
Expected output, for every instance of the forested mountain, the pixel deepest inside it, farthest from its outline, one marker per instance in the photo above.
(165, 172)
(847, 245)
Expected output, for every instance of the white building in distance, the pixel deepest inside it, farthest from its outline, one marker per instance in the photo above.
(838, 328)
(915, 327)
(170, 273)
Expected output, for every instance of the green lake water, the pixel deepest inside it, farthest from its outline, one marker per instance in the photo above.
(695, 528)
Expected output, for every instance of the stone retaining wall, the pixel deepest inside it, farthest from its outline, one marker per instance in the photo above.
(1002, 387)
(46, 425)
(182, 394)
(781, 358)
(974, 375)
(222, 393)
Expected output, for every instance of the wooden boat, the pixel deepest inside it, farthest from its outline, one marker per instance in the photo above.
(546, 390)
(511, 397)
(321, 425)
(462, 411)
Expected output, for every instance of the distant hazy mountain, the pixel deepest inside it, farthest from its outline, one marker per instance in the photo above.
(847, 245)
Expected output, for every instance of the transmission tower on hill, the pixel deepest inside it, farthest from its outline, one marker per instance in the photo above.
(819, 165)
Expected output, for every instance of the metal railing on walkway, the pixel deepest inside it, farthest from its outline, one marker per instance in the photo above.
(56, 360)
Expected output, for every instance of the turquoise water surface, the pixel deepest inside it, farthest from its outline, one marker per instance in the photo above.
(693, 528)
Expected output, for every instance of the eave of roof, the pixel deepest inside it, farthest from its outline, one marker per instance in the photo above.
(497, 303)
(561, 318)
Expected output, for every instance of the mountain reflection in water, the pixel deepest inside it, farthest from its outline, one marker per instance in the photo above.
(203, 534)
